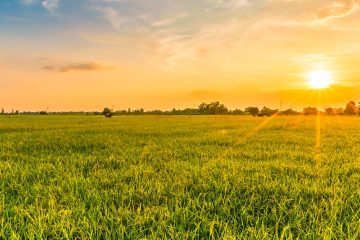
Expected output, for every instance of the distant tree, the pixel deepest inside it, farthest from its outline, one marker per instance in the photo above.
(186, 111)
(351, 108)
(237, 112)
(2, 111)
(138, 111)
(289, 111)
(213, 108)
(252, 110)
(189, 111)
(16, 112)
(339, 111)
(107, 112)
(203, 108)
(43, 113)
(329, 111)
(120, 112)
(156, 112)
(310, 111)
(265, 111)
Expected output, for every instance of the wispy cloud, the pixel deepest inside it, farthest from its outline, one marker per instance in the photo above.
(337, 9)
(320, 9)
(76, 67)
(113, 16)
(51, 5)
(169, 21)
(186, 33)
(231, 3)
(50, 68)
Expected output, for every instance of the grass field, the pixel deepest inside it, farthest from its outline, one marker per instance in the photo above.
(179, 177)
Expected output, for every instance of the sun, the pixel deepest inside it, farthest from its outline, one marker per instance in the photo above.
(318, 79)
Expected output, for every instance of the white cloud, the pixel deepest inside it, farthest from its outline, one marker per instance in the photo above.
(168, 21)
(51, 5)
(113, 16)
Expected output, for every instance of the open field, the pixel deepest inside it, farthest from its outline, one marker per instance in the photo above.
(179, 177)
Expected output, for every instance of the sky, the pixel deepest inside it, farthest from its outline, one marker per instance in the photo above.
(163, 54)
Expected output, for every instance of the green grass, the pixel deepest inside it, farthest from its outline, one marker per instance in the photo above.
(179, 177)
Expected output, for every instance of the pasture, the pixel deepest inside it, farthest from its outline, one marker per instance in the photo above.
(179, 177)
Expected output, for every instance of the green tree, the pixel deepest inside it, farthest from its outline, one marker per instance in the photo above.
(290, 111)
(213, 108)
(267, 111)
(252, 110)
(107, 112)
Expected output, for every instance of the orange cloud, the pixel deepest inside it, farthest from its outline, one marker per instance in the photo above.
(339, 8)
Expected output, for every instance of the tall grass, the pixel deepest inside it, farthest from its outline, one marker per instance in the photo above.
(179, 177)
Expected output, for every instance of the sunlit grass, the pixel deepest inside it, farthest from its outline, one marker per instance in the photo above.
(179, 177)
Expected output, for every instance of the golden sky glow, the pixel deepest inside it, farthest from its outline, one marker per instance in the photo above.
(87, 54)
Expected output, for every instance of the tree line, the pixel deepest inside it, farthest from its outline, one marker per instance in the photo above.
(213, 108)
(217, 108)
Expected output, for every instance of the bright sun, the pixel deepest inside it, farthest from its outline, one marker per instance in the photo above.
(318, 79)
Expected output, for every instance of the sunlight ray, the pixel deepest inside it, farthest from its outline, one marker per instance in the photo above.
(318, 139)
(242, 139)
(255, 130)
(318, 130)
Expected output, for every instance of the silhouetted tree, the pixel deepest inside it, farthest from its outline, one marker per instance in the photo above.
(212, 108)
(334, 111)
(310, 111)
(156, 112)
(329, 111)
(351, 108)
(107, 112)
(252, 110)
(339, 111)
(237, 112)
(138, 111)
(289, 112)
(2, 111)
(267, 112)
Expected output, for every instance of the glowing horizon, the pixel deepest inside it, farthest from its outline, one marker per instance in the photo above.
(87, 54)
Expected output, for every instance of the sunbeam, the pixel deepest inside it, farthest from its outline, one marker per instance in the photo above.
(318, 139)
(318, 131)
(242, 139)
